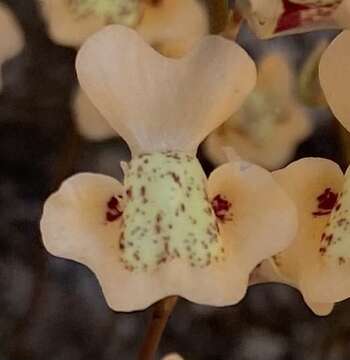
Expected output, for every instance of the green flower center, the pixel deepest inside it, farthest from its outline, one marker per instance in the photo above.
(168, 214)
(126, 12)
(259, 116)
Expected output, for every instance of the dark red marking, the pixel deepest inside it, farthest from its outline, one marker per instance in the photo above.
(326, 202)
(221, 207)
(290, 19)
(113, 212)
(296, 15)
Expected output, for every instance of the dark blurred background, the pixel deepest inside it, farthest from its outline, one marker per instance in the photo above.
(53, 309)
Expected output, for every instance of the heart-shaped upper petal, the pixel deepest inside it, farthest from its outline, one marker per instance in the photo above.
(161, 104)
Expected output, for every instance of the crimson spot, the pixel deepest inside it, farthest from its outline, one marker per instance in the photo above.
(221, 207)
(326, 202)
(113, 212)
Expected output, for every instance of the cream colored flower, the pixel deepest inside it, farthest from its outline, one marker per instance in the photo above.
(167, 230)
(173, 26)
(271, 123)
(268, 19)
(317, 262)
(11, 36)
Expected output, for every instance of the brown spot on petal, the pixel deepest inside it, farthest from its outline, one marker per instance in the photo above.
(341, 260)
(113, 212)
(221, 208)
(326, 202)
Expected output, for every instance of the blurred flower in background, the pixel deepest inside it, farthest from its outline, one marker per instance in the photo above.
(270, 125)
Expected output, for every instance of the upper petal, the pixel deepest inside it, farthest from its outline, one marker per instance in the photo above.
(160, 104)
(335, 77)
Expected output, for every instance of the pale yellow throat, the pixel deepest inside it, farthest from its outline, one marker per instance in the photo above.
(168, 214)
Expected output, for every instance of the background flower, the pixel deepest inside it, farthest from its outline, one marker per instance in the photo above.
(270, 125)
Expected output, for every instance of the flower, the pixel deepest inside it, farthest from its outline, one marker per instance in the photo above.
(12, 39)
(71, 22)
(269, 18)
(172, 26)
(317, 262)
(167, 230)
(270, 124)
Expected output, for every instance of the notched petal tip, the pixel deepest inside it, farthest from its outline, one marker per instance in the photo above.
(90, 123)
(161, 104)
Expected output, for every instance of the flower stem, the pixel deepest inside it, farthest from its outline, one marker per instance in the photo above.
(218, 12)
(233, 25)
(161, 312)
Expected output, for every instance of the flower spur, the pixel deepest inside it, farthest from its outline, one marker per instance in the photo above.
(168, 230)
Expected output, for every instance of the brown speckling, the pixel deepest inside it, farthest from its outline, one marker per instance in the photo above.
(157, 229)
(176, 178)
(164, 212)
(341, 260)
(129, 192)
(143, 191)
